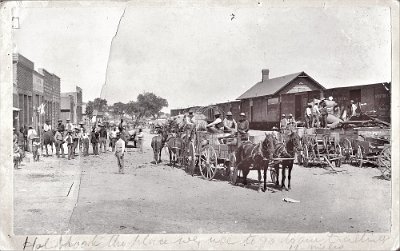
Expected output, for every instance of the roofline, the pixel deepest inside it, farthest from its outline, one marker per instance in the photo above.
(300, 73)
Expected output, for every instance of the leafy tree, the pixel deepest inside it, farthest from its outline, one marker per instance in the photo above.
(150, 105)
(100, 104)
(118, 108)
(89, 109)
(132, 109)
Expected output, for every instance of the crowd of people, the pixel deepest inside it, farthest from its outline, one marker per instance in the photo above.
(317, 113)
(74, 140)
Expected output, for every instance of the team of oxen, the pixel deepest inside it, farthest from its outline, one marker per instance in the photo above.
(269, 154)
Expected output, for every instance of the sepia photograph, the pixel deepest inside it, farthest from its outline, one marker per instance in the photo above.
(168, 118)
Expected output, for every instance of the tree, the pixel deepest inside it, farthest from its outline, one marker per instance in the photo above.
(132, 109)
(150, 105)
(89, 109)
(100, 104)
(118, 108)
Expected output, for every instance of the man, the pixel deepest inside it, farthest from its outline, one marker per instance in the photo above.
(316, 114)
(230, 124)
(308, 116)
(75, 137)
(189, 120)
(60, 126)
(47, 126)
(353, 108)
(119, 153)
(85, 142)
(81, 129)
(113, 138)
(324, 114)
(291, 123)
(59, 141)
(15, 136)
(216, 125)
(70, 143)
(103, 137)
(243, 127)
(277, 136)
(140, 137)
(69, 126)
(284, 123)
(21, 141)
(95, 141)
(31, 134)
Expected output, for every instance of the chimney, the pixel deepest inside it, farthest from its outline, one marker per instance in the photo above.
(265, 74)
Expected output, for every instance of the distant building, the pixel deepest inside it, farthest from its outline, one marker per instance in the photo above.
(51, 93)
(67, 108)
(77, 110)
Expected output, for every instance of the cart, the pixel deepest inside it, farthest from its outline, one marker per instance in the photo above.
(322, 147)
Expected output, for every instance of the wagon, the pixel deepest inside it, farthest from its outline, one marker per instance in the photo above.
(322, 147)
(367, 145)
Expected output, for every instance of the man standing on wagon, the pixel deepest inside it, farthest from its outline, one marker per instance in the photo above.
(243, 127)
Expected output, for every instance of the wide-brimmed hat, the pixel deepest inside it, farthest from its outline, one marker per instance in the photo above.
(81, 123)
(242, 114)
(31, 126)
(290, 115)
(60, 120)
(228, 114)
(47, 120)
(217, 113)
(283, 115)
(68, 120)
(274, 128)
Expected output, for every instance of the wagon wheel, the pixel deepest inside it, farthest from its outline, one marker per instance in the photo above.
(208, 162)
(338, 153)
(306, 156)
(233, 169)
(190, 159)
(359, 156)
(384, 160)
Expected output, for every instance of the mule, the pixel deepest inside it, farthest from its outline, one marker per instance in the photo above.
(48, 139)
(157, 143)
(287, 150)
(255, 157)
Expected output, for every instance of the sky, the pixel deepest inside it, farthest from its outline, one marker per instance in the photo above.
(202, 54)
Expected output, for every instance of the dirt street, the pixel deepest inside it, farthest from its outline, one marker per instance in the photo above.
(88, 196)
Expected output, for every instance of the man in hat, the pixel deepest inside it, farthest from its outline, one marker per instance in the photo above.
(353, 108)
(324, 114)
(119, 153)
(59, 141)
(76, 135)
(21, 141)
(230, 124)
(216, 125)
(284, 123)
(291, 122)
(94, 139)
(85, 142)
(277, 136)
(47, 126)
(315, 114)
(31, 134)
(243, 127)
(103, 137)
(35, 148)
(189, 119)
(70, 143)
(60, 126)
(308, 116)
(15, 136)
(69, 126)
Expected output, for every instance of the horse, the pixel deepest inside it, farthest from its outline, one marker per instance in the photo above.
(175, 148)
(257, 155)
(48, 139)
(157, 143)
(287, 150)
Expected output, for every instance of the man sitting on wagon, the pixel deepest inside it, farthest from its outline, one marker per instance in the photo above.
(216, 126)
(243, 127)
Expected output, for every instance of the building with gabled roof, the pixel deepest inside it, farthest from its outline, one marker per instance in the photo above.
(265, 101)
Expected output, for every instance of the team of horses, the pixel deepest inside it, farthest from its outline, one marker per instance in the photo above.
(249, 156)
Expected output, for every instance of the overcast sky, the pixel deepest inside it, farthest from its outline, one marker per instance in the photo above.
(198, 55)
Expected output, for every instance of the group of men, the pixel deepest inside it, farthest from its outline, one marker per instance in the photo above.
(227, 125)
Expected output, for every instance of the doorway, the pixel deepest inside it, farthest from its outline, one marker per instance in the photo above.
(298, 107)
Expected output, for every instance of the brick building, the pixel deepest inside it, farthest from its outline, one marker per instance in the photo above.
(31, 89)
(23, 84)
(51, 91)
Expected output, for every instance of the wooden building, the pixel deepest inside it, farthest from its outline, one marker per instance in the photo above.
(264, 102)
